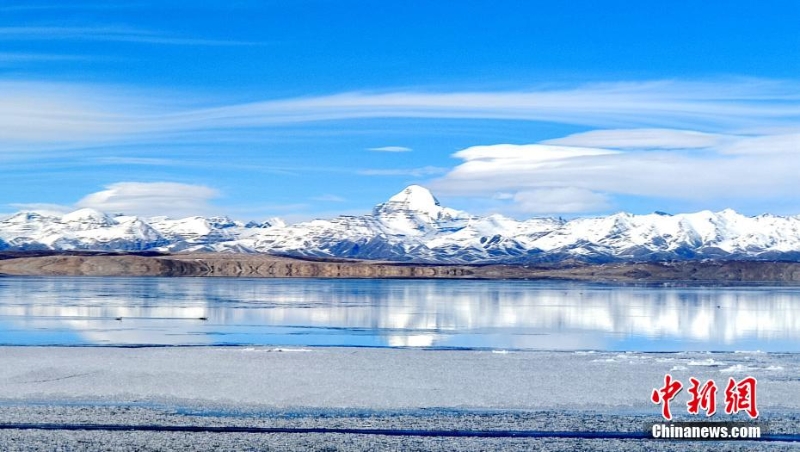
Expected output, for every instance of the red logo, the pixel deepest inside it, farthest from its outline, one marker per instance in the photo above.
(739, 396)
(664, 395)
(704, 398)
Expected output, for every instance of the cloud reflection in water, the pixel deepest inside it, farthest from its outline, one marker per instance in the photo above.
(412, 313)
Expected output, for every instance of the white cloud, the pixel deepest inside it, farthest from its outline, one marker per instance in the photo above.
(531, 154)
(672, 104)
(729, 139)
(391, 149)
(146, 161)
(329, 198)
(43, 207)
(787, 144)
(118, 34)
(49, 114)
(640, 138)
(502, 196)
(412, 172)
(19, 57)
(152, 198)
(560, 200)
(46, 114)
(743, 169)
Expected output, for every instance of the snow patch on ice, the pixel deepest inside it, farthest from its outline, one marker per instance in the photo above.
(737, 368)
(273, 349)
(711, 362)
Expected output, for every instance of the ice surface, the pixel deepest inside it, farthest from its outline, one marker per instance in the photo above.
(376, 378)
(355, 388)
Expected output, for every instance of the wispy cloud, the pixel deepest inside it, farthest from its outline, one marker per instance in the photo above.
(560, 200)
(115, 34)
(41, 113)
(557, 178)
(329, 198)
(145, 161)
(720, 118)
(152, 198)
(391, 149)
(43, 207)
(640, 139)
(208, 165)
(31, 6)
(413, 172)
(677, 105)
(18, 57)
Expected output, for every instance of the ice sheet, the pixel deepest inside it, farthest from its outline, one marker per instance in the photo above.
(379, 378)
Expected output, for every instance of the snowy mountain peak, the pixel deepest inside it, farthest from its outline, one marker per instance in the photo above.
(415, 210)
(30, 216)
(88, 216)
(415, 197)
(413, 226)
(274, 222)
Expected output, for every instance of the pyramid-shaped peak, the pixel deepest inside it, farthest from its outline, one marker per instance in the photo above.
(415, 210)
(415, 197)
(729, 212)
(87, 215)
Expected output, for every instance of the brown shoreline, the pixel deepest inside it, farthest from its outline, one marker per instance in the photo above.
(47, 263)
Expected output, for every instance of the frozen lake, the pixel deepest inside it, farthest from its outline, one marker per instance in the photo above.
(522, 315)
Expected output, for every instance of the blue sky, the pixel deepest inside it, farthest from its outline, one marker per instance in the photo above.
(308, 109)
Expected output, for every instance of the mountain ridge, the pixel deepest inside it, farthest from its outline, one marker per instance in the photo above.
(413, 226)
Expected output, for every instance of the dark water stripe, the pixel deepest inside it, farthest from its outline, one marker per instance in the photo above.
(357, 431)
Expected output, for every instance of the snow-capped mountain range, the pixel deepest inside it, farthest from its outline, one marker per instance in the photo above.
(413, 226)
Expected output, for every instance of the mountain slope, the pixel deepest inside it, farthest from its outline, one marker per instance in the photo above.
(413, 226)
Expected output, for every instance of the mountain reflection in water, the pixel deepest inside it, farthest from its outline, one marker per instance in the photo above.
(411, 313)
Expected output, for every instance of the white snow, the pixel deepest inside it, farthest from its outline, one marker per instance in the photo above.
(364, 378)
(413, 225)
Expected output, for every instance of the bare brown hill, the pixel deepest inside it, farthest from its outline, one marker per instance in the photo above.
(209, 264)
(268, 266)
